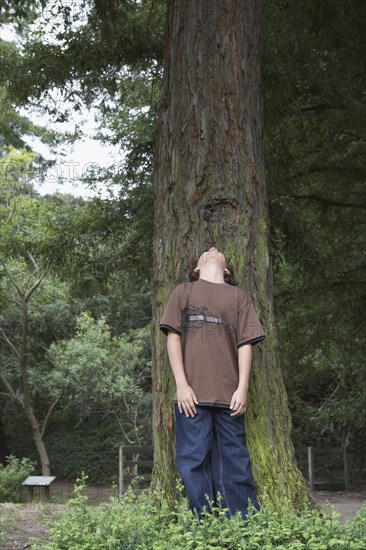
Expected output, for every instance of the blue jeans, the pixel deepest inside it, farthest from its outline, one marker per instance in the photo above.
(212, 457)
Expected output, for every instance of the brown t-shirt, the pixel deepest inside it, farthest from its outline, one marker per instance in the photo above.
(213, 320)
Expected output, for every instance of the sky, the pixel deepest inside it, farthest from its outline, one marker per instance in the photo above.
(76, 158)
(64, 177)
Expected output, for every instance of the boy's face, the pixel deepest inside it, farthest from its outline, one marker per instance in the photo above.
(212, 255)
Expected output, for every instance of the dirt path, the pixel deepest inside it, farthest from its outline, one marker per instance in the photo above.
(20, 522)
(346, 503)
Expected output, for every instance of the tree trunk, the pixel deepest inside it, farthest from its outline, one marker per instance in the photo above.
(4, 447)
(209, 189)
(28, 408)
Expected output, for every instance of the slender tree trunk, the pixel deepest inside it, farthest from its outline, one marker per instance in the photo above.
(209, 188)
(4, 447)
(22, 355)
(28, 408)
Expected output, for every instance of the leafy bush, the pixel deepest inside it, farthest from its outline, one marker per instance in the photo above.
(91, 446)
(144, 522)
(11, 477)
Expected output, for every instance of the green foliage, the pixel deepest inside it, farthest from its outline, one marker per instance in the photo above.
(314, 143)
(73, 445)
(11, 477)
(107, 373)
(94, 41)
(144, 522)
(91, 446)
(26, 218)
(72, 238)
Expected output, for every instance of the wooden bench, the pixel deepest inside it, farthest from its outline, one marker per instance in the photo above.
(38, 481)
(324, 466)
(131, 465)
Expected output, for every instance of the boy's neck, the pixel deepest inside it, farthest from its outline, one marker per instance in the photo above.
(212, 276)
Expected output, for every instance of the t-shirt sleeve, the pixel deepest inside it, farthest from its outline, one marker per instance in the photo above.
(249, 330)
(172, 316)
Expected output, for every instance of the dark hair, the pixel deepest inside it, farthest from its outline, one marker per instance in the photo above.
(193, 276)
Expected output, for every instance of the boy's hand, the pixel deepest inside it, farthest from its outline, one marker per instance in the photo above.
(186, 400)
(238, 402)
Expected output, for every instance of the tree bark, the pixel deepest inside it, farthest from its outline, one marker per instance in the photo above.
(209, 189)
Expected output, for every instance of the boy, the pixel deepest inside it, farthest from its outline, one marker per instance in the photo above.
(211, 326)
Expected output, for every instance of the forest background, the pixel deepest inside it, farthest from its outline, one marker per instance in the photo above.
(79, 270)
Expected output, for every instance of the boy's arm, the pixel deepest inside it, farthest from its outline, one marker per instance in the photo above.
(239, 399)
(185, 395)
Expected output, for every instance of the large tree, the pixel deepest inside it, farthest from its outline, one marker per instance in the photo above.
(210, 189)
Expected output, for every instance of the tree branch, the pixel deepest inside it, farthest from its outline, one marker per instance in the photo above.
(50, 410)
(344, 169)
(34, 287)
(21, 294)
(9, 342)
(353, 135)
(121, 427)
(322, 107)
(336, 146)
(317, 288)
(135, 425)
(35, 265)
(10, 389)
(329, 396)
(329, 201)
